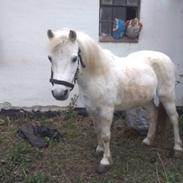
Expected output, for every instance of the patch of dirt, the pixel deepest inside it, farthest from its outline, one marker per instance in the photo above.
(73, 159)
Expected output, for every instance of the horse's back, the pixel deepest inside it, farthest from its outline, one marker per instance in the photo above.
(151, 57)
(163, 67)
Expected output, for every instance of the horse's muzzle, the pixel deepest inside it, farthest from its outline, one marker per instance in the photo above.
(62, 95)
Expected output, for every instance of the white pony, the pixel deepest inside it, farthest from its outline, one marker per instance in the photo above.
(108, 83)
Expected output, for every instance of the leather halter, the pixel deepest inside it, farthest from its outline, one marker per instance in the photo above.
(65, 83)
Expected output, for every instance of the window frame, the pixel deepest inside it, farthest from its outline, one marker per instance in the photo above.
(124, 39)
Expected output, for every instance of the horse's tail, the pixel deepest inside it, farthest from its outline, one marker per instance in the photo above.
(166, 74)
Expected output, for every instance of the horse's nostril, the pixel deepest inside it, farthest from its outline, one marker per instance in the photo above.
(65, 92)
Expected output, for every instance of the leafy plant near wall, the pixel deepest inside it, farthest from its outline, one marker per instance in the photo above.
(70, 113)
(73, 102)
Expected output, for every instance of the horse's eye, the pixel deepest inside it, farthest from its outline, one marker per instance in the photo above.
(74, 59)
(49, 58)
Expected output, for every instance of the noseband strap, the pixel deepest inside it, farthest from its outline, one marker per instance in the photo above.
(65, 83)
(60, 82)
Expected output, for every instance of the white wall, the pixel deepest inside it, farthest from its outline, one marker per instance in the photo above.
(24, 68)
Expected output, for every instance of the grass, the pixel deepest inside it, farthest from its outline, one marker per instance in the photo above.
(37, 178)
(72, 159)
(173, 177)
(20, 154)
(16, 163)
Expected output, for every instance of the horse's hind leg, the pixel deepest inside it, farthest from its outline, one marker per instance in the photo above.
(169, 105)
(153, 115)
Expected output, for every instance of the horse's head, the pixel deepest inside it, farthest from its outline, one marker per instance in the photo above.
(64, 57)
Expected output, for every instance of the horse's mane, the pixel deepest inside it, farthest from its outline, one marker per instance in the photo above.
(92, 54)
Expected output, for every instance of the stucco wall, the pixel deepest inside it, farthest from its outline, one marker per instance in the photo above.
(24, 68)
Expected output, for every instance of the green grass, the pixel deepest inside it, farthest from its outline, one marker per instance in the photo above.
(16, 163)
(70, 115)
(20, 154)
(97, 181)
(71, 159)
(37, 178)
(173, 177)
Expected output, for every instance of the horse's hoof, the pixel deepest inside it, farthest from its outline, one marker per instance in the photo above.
(171, 153)
(177, 154)
(101, 169)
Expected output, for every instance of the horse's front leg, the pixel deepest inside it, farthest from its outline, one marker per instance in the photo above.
(105, 121)
(100, 146)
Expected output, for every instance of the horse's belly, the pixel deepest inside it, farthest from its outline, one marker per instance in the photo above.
(137, 91)
(133, 97)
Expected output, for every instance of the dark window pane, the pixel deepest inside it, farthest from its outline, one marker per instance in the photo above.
(131, 13)
(105, 29)
(119, 2)
(119, 12)
(106, 2)
(132, 2)
(106, 13)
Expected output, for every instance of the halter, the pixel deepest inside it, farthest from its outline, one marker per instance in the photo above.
(65, 83)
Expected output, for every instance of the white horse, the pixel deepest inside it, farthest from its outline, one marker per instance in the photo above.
(107, 83)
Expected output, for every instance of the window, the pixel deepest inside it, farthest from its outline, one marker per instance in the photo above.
(110, 10)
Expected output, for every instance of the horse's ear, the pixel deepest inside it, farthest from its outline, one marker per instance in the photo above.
(72, 35)
(50, 34)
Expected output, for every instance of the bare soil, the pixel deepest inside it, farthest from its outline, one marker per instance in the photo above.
(72, 159)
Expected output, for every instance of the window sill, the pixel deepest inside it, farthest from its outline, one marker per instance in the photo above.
(122, 40)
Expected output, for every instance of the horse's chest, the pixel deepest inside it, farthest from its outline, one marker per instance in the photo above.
(97, 93)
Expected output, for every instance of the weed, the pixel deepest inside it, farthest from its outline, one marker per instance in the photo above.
(70, 114)
(73, 102)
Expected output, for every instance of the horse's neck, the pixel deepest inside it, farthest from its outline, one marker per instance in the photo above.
(94, 58)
